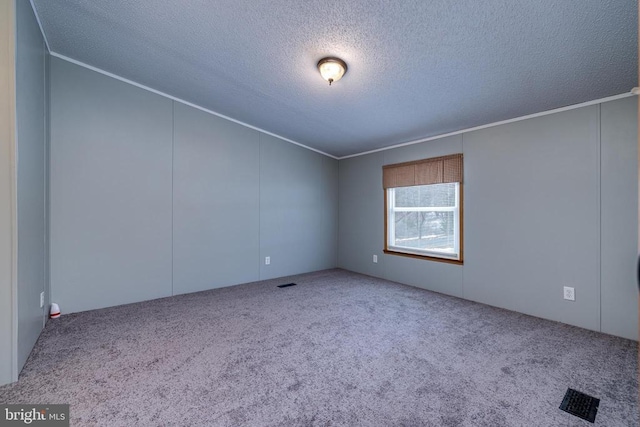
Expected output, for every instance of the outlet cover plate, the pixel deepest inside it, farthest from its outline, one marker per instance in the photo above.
(41, 299)
(267, 260)
(569, 293)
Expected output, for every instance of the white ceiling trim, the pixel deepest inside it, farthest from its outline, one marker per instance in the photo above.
(404, 144)
(182, 101)
(503, 122)
(44, 36)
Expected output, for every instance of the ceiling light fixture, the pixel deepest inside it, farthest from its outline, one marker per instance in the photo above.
(332, 69)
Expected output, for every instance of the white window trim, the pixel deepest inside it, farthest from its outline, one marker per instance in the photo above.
(456, 256)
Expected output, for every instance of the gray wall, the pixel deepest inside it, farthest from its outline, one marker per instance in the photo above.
(111, 150)
(31, 108)
(215, 203)
(298, 209)
(151, 198)
(548, 202)
(361, 214)
(532, 216)
(8, 370)
(619, 215)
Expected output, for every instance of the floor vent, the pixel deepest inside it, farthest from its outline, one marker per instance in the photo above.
(286, 285)
(581, 405)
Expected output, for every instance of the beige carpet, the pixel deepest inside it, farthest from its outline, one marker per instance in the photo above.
(339, 349)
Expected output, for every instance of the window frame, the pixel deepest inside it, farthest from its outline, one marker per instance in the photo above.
(394, 250)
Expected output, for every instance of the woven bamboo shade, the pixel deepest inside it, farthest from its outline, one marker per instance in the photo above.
(437, 170)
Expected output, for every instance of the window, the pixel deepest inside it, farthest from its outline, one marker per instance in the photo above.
(423, 209)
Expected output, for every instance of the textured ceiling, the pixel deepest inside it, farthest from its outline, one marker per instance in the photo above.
(417, 68)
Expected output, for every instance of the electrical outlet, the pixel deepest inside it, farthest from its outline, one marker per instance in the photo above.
(267, 260)
(375, 259)
(569, 293)
(41, 299)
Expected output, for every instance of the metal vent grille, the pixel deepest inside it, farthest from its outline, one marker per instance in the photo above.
(581, 405)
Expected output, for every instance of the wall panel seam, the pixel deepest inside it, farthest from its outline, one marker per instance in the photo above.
(13, 160)
(463, 220)
(173, 138)
(259, 206)
(599, 198)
